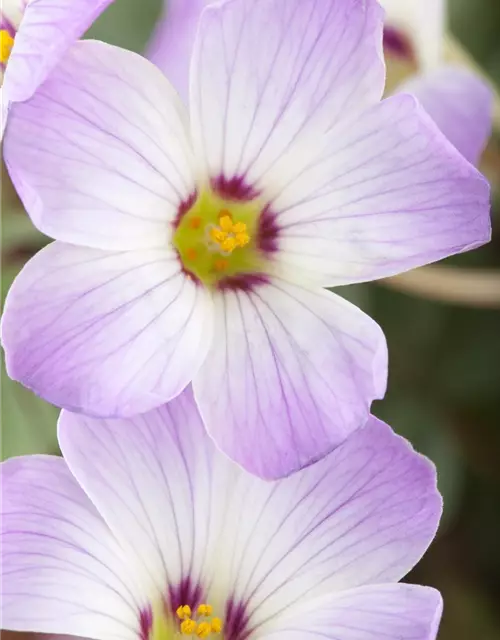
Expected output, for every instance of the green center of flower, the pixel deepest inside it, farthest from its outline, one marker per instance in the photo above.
(217, 238)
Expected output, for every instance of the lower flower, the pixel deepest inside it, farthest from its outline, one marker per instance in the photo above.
(145, 531)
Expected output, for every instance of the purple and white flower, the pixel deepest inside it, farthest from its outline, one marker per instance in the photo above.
(193, 247)
(34, 35)
(145, 515)
(459, 101)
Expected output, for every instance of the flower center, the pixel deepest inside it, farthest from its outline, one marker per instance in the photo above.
(400, 57)
(6, 44)
(203, 626)
(217, 238)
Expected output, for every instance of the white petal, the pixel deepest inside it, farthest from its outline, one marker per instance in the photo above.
(62, 570)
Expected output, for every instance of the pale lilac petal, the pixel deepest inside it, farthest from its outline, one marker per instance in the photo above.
(171, 44)
(392, 612)
(105, 333)
(62, 570)
(385, 193)
(363, 515)
(151, 478)
(100, 155)
(291, 373)
(265, 72)
(46, 31)
(460, 103)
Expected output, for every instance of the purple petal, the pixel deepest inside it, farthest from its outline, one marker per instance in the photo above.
(460, 103)
(291, 374)
(100, 155)
(265, 72)
(384, 193)
(47, 30)
(171, 44)
(183, 512)
(62, 570)
(105, 333)
(392, 612)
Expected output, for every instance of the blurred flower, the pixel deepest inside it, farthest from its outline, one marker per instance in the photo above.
(196, 249)
(458, 100)
(34, 34)
(145, 531)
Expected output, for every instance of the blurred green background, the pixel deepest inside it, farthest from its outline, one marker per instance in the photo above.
(444, 391)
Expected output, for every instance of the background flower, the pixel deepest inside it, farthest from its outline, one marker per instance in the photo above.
(35, 35)
(145, 515)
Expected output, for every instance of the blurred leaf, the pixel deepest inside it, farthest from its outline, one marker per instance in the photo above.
(127, 23)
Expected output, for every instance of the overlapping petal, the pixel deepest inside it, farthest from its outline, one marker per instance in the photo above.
(394, 612)
(47, 30)
(460, 103)
(291, 373)
(106, 333)
(98, 158)
(171, 44)
(267, 71)
(385, 193)
(62, 570)
(363, 515)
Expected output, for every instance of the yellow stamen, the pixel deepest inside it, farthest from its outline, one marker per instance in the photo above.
(204, 629)
(6, 44)
(205, 610)
(229, 244)
(218, 235)
(216, 625)
(239, 227)
(184, 612)
(188, 627)
(242, 239)
(226, 223)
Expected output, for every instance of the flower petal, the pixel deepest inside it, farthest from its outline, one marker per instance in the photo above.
(291, 374)
(47, 30)
(151, 478)
(460, 103)
(100, 155)
(171, 44)
(386, 193)
(393, 612)
(363, 515)
(62, 570)
(105, 333)
(267, 71)
(423, 21)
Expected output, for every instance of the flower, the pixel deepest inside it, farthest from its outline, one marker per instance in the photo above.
(195, 248)
(145, 530)
(459, 101)
(34, 35)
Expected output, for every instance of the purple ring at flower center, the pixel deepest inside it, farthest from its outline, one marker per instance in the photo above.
(398, 44)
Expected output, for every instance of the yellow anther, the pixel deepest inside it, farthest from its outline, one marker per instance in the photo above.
(218, 235)
(242, 239)
(194, 222)
(239, 227)
(216, 625)
(226, 223)
(204, 630)
(6, 44)
(188, 627)
(205, 610)
(184, 612)
(229, 244)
